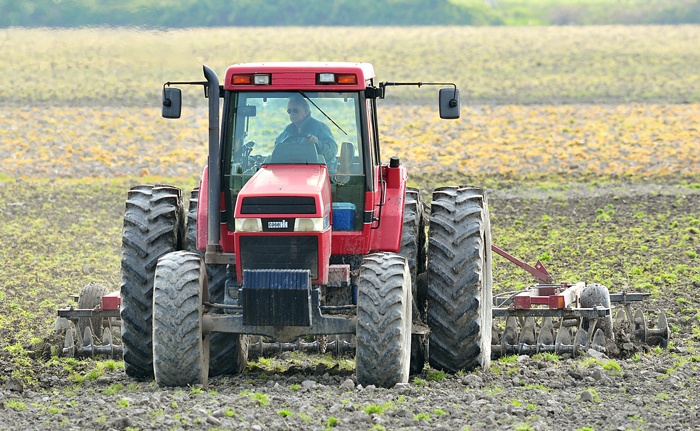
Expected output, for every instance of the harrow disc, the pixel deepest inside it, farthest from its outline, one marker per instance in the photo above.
(546, 336)
(531, 338)
(651, 337)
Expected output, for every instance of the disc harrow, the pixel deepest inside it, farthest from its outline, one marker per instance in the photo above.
(564, 319)
(337, 346)
(569, 319)
(103, 319)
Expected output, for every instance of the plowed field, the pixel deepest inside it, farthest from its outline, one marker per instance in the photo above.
(590, 161)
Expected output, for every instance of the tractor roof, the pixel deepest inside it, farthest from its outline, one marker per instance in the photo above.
(299, 76)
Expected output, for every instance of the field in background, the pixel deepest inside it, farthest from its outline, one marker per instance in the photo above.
(586, 12)
(555, 143)
(571, 129)
(545, 65)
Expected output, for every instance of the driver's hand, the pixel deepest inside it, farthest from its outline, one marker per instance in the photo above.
(310, 139)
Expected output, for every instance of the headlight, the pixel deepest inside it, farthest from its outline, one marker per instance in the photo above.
(311, 224)
(248, 225)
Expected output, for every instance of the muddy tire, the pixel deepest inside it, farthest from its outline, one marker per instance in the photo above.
(153, 227)
(459, 280)
(383, 321)
(91, 297)
(413, 248)
(180, 349)
(191, 228)
(228, 353)
(410, 234)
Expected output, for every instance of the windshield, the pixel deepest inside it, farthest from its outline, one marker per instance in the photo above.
(295, 127)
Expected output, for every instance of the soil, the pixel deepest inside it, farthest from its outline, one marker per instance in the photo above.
(653, 389)
(637, 388)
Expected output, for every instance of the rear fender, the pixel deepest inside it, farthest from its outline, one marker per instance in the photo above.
(387, 237)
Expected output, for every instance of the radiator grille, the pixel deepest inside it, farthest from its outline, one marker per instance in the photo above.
(280, 252)
(279, 205)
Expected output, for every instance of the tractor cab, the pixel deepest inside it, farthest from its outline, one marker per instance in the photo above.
(301, 177)
(258, 131)
(295, 174)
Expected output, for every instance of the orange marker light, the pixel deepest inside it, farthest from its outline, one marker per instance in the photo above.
(242, 79)
(559, 302)
(347, 79)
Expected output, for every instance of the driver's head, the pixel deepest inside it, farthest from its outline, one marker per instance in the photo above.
(298, 109)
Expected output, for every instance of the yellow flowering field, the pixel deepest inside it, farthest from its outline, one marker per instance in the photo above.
(510, 141)
(536, 141)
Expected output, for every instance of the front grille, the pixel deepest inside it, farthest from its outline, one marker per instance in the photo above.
(280, 252)
(279, 205)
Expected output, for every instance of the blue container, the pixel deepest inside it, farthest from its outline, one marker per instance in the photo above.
(343, 216)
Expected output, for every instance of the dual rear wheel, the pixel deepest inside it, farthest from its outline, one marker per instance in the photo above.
(155, 225)
(459, 280)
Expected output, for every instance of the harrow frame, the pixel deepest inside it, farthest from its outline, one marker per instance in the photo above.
(544, 300)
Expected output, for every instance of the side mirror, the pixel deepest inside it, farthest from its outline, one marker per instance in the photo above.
(449, 103)
(172, 102)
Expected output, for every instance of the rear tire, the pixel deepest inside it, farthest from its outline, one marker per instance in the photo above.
(153, 227)
(413, 248)
(228, 353)
(191, 228)
(410, 234)
(384, 308)
(459, 280)
(180, 349)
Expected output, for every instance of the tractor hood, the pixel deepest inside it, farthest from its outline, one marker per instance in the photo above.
(286, 191)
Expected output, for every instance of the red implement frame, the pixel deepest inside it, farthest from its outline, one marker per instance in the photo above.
(553, 296)
(538, 271)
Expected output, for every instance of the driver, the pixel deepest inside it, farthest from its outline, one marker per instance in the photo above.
(306, 130)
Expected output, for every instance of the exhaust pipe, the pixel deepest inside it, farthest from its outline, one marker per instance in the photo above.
(214, 192)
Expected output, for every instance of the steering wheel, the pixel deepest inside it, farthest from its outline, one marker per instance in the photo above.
(292, 140)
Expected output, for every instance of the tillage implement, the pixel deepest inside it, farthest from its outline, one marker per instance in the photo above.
(299, 236)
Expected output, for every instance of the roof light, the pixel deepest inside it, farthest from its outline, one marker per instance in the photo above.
(242, 79)
(262, 79)
(347, 79)
(326, 78)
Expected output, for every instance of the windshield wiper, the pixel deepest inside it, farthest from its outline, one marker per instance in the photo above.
(321, 111)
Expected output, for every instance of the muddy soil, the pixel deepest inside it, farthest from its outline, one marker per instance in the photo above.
(652, 389)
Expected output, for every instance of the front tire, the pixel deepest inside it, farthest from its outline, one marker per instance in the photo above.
(459, 280)
(384, 312)
(180, 349)
(153, 227)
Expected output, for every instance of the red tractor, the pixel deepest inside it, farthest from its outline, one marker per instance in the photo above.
(298, 230)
